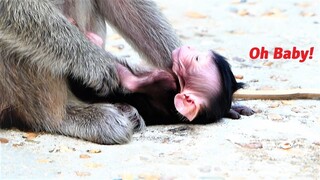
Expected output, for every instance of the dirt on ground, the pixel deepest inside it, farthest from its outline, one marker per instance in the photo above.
(281, 140)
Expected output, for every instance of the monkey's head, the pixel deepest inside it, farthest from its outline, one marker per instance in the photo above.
(206, 84)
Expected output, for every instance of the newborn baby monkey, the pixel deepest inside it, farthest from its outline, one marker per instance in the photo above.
(205, 85)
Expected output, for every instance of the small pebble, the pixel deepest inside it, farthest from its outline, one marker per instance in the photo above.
(93, 151)
(275, 117)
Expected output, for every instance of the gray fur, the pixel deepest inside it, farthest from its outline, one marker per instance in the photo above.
(40, 48)
(144, 27)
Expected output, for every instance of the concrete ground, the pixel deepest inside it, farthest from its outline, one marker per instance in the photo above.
(280, 141)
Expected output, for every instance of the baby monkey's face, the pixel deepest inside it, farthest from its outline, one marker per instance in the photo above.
(198, 77)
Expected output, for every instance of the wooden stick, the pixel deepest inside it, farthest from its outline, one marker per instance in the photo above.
(278, 94)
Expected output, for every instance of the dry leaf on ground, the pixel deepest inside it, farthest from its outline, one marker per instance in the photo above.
(30, 136)
(84, 156)
(4, 140)
(195, 15)
(239, 76)
(286, 145)
(81, 173)
(251, 145)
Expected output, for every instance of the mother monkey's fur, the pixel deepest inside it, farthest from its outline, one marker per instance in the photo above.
(40, 50)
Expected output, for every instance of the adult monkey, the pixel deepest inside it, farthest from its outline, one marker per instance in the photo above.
(41, 51)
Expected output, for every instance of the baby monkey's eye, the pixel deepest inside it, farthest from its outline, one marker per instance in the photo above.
(197, 58)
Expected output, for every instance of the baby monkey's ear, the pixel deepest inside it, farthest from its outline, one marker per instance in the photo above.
(187, 104)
